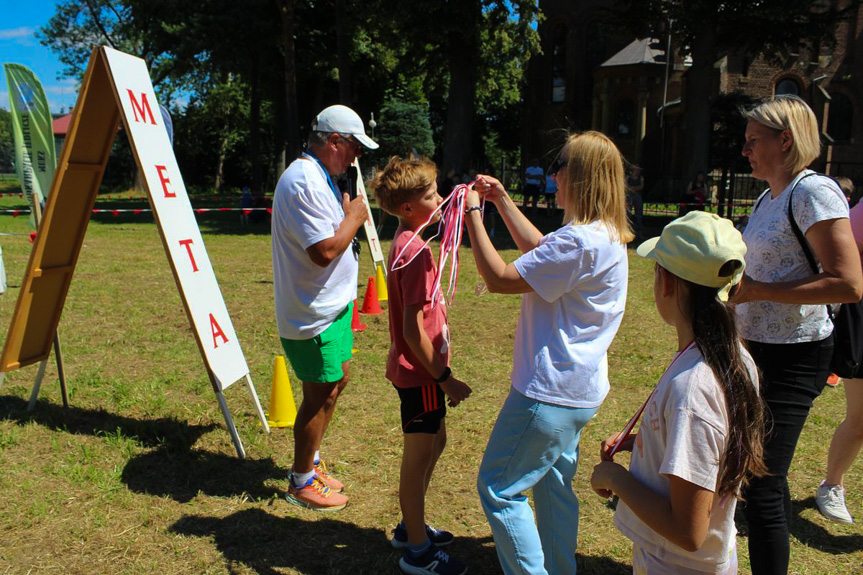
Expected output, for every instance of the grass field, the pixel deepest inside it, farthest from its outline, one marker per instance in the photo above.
(139, 474)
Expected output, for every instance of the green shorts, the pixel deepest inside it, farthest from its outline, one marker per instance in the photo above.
(320, 359)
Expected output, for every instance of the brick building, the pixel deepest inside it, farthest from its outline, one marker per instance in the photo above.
(590, 77)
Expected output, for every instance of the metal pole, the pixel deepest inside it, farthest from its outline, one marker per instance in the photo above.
(665, 100)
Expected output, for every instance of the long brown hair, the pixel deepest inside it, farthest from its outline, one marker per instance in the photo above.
(715, 332)
(595, 184)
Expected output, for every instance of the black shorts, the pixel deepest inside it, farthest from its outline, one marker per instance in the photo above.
(423, 408)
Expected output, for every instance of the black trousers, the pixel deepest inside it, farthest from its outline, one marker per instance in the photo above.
(792, 376)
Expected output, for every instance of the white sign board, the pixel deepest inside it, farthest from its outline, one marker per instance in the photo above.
(369, 225)
(176, 219)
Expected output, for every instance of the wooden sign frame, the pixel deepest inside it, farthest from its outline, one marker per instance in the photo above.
(117, 87)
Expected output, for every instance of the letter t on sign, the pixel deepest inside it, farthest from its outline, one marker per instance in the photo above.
(188, 245)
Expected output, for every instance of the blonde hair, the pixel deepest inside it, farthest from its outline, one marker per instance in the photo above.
(595, 184)
(401, 181)
(787, 112)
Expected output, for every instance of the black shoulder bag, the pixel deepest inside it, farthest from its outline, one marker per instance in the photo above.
(847, 321)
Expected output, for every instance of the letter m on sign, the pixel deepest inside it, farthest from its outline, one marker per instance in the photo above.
(141, 108)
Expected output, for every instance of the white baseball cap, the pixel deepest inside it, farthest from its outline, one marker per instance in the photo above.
(340, 119)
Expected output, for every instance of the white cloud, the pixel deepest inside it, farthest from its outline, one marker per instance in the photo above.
(20, 34)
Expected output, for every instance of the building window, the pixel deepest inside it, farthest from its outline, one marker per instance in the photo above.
(787, 86)
(626, 118)
(841, 118)
(558, 64)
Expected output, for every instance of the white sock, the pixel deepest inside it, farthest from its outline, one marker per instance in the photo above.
(317, 457)
(301, 479)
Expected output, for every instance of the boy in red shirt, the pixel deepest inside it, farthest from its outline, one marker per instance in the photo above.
(418, 361)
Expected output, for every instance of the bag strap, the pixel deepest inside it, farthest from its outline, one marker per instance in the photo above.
(801, 239)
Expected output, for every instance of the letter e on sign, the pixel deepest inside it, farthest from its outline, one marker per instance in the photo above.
(142, 107)
(164, 180)
(217, 332)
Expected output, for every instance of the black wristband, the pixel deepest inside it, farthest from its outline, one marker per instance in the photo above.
(447, 372)
(473, 209)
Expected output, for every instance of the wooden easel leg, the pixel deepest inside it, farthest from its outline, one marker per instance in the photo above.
(36, 385)
(232, 429)
(60, 369)
(254, 393)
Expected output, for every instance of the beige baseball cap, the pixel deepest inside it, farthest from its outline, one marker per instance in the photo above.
(340, 119)
(696, 247)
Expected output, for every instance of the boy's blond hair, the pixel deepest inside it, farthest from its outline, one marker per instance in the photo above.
(846, 185)
(787, 112)
(402, 181)
(595, 184)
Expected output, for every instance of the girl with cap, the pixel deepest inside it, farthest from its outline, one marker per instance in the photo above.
(701, 434)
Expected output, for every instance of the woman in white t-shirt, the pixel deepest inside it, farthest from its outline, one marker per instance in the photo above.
(701, 430)
(574, 285)
(781, 301)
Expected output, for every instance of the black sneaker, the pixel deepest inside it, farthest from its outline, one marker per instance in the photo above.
(432, 562)
(438, 537)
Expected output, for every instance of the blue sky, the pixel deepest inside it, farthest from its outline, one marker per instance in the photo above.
(18, 24)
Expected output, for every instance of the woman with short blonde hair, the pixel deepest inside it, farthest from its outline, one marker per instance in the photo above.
(573, 282)
(801, 255)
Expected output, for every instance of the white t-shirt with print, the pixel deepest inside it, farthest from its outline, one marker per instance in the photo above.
(579, 276)
(308, 297)
(773, 254)
(683, 433)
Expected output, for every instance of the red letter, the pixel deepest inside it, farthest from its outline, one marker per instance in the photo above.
(165, 181)
(140, 109)
(188, 246)
(217, 331)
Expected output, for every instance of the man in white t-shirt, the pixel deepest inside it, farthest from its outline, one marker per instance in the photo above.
(315, 280)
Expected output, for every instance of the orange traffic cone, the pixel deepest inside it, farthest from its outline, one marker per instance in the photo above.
(371, 305)
(356, 324)
(283, 410)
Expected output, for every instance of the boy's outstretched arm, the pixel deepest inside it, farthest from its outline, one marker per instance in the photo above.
(422, 348)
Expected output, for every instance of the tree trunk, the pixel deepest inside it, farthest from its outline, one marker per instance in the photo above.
(344, 49)
(255, 126)
(463, 57)
(293, 145)
(696, 111)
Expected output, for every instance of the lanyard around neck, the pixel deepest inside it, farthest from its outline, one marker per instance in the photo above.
(311, 155)
(627, 431)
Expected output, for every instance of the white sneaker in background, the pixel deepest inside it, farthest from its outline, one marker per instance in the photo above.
(831, 503)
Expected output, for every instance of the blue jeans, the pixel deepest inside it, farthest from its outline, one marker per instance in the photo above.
(533, 445)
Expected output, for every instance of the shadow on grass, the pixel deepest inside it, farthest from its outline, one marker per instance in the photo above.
(167, 434)
(183, 475)
(268, 543)
(816, 536)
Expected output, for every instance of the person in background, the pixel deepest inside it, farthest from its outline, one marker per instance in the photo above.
(551, 187)
(534, 182)
(781, 301)
(315, 281)
(246, 204)
(634, 198)
(696, 194)
(848, 438)
(573, 282)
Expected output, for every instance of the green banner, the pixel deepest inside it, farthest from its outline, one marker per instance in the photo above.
(35, 158)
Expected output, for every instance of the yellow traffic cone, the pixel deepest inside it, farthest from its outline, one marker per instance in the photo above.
(381, 282)
(283, 411)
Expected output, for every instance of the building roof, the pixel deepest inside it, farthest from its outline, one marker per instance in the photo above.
(61, 125)
(637, 52)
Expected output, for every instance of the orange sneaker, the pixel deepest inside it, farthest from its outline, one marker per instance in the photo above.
(833, 380)
(332, 482)
(316, 495)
